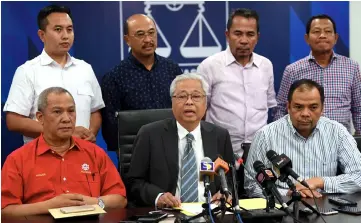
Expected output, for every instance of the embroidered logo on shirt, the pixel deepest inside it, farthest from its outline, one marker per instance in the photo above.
(40, 175)
(85, 167)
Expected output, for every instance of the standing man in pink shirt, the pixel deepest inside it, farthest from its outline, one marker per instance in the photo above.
(241, 83)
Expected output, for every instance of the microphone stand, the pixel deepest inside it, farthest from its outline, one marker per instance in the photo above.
(206, 208)
(223, 199)
(235, 209)
(296, 197)
(270, 201)
(223, 207)
(235, 199)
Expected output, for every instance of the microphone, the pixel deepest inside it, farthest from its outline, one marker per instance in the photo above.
(221, 168)
(283, 165)
(206, 172)
(267, 179)
(270, 201)
(239, 160)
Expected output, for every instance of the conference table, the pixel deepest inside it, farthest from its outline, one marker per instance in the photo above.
(123, 215)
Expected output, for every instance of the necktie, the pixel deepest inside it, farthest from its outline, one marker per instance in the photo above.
(189, 181)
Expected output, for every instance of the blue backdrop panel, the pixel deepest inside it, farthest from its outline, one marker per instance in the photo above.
(188, 33)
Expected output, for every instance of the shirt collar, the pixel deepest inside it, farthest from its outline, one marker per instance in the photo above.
(334, 56)
(182, 132)
(42, 147)
(255, 58)
(45, 59)
(139, 64)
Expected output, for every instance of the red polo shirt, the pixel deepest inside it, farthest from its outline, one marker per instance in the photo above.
(35, 173)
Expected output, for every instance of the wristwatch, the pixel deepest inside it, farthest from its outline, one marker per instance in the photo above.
(101, 203)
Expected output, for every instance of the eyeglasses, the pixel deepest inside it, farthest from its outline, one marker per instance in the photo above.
(184, 97)
(142, 35)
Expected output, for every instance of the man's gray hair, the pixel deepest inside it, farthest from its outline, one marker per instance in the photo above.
(189, 76)
(43, 97)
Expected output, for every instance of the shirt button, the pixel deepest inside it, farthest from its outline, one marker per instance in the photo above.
(52, 151)
(67, 191)
(64, 178)
(62, 159)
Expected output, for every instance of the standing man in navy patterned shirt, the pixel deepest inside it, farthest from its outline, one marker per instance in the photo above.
(140, 81)
(339, 75)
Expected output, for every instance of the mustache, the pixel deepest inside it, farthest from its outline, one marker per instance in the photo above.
(148, 45)
(305, 121)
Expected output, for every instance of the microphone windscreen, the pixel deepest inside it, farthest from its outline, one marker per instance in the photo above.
(219, 163)
(258, 165)
(206, 159)
(271, 155)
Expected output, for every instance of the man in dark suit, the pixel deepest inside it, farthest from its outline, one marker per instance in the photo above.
(167, 154)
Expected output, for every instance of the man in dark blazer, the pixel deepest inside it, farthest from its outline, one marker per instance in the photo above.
(159, 174)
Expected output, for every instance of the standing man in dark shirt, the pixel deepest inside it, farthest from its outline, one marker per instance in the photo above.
(140, 81)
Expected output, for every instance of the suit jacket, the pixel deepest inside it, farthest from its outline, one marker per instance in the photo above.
(154, 166)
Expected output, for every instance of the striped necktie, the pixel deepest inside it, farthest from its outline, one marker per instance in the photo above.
(189, 182)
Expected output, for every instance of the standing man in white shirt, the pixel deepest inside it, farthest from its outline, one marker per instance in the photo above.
(54, 67)
(241, 83)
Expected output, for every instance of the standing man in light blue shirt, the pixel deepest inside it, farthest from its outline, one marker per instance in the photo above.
(316, 145)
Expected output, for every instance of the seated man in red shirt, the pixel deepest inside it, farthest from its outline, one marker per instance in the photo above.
(57, 169)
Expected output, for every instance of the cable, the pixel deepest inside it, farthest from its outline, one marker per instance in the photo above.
(237, 215)
(239, 218)
(314, 200)
(209, 207)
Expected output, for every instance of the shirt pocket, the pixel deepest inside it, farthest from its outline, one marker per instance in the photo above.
(84, 182)
(338, 93)
(259, 98)
(84, 98)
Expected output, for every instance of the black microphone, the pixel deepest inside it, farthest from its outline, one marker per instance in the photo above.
(283, 165)
(267, 179)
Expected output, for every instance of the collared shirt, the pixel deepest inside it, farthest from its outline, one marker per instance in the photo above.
(341, 80)
(131, 86)
(319, 155)
(239, 97)
(197, 145)
(35, 173)
(42, 72)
